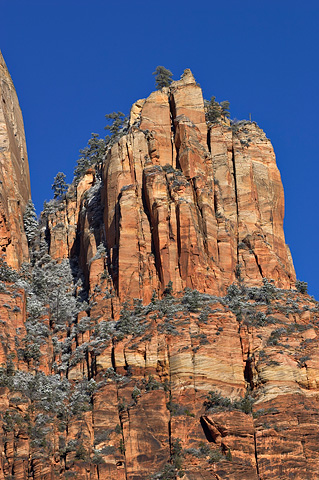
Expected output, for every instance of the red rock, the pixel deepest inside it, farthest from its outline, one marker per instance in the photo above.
(172, 385)
(221, 210)
(14, 173)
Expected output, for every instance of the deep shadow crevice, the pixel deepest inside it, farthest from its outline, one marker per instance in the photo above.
(206, 431)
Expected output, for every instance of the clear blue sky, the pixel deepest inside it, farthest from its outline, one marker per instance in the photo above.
(73, 61)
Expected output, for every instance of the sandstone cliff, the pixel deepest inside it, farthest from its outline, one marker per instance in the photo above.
(14, 173)
(184, 350)
(182, 202)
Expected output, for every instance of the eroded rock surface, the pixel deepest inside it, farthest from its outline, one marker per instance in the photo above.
(226, 386)
(182, 202)
(14, 173)
(186, 352)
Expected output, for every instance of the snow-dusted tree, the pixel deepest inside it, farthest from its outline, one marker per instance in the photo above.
(30, 222)
(53, 285)
(7, 274)
(117, 128)
(90, 155)
(117, 122)
(59, 185)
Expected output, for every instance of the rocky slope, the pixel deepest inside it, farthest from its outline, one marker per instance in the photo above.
(157, 332)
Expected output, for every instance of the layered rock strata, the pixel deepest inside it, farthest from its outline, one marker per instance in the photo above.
(169, 391)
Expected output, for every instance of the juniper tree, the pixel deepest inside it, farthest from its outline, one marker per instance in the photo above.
(59, 185)
(163, 77)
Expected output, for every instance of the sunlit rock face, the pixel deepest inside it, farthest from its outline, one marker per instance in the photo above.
(186, 351)
(185, 202)
(14, 173)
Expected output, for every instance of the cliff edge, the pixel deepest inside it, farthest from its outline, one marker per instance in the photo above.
(14, 173)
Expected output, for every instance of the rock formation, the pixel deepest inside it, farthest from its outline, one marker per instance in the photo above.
(186, 350)
(14, 173)
(182, 202)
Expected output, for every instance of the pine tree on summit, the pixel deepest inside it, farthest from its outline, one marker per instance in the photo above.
(213, 110)
(163, 77)
(225, 109)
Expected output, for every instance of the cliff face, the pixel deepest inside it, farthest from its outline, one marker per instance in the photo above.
(183, 202)
(163, 393)
(218, 380)
(14, 173)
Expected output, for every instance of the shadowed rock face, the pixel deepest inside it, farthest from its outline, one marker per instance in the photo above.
(14, 173)
(200, 386)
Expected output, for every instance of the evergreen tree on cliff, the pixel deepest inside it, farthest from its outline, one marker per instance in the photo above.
(117, 122)
(213, 110)
(59, 185)
(225, 109)
(30, 221)
(90, 156)
(163, 77)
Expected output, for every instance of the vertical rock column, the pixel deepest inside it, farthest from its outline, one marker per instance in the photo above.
(14, 173)
(262, 250)
(188, 203)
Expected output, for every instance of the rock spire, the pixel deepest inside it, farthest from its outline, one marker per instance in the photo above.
(183, 201)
